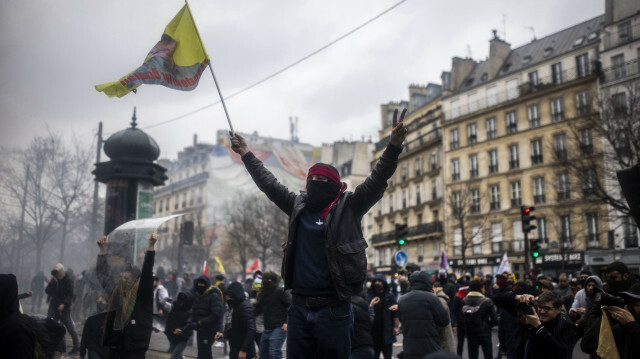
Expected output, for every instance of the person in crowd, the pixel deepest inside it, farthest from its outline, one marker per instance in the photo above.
(619, 279)
(128, 326)
(161, 307)
(411, 268)
(508, 326)
(91, 342)
(385, 323)
(457, 321)
(362, 341)
(584, 297)
(421, 313)
(38, 283)
(446, 333)
(60, 292)
(17, 338)
(241, 333)
(487, 285)
(176, 320)
(400, 284)
(324, 261)
(172, 283)
(221, 282)
(272, 302)
(479, 315)
(206, 315)
(445, 282)
(544, 331)
(625, 327)
(256, 284)
(564, 290)
(545, 285)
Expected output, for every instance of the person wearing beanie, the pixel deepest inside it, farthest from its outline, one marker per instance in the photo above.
(324, 260)
(545, 285)
(479, 315)
(60, 292)
(421, 313)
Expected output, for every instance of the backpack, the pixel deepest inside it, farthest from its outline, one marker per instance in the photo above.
(472, 317)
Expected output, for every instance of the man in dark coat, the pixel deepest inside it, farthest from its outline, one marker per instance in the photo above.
(91, 342)
(479, 316)
(385, 323)
(421, 312)
(130, 308)
(176, 320)
(243, 324)
(272, 302)
(37, 287)
(17, 339)
(324, 261)
(206, 314)
(60, 292)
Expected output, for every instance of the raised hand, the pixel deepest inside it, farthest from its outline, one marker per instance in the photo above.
(399, 130)
(238, 144)
(152, 241)
(103, 244)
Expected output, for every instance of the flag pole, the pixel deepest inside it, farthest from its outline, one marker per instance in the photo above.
(212, 74)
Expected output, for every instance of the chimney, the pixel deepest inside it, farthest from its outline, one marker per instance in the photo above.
(195, 141)
(460, 69)
(498, 52)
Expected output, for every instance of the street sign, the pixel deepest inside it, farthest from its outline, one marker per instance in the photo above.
(401, 258)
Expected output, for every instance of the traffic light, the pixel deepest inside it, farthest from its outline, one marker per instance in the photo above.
(535, 247)
(402, 231)
(527, 218)
(187, 232)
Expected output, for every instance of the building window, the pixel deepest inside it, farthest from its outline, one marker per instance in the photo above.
(457, 242)
(541, 231)
(557, 109)
(518, 236)
(495, 197)
(419, 193)
(493, 161)
(455, 139)
(560, 146)
(473, 165)
(475, 200)
(160, 207)
(533, 113)
(491, 128)
(619, 68)
(592, 229)
(434, 160)
(624, 32)
(405, 199)
(536, 152)
(472, 133)
(538, 190)
(556, 73)
(630, 232)
(514, 157)
(512, 89)
(392, 203)
(589, 182)
(435, 190)
(496, 237)
(516, 199)
(563, 187)
(404, 172)
(492, 96)
(455, 169)
(586, 141)
(582, 65)
(619, 102)
(473, 102)
(566, 237)
(583, 103)
(457, 204)
(476, 240)
(417, 164)
(533, 78)
(512, 122)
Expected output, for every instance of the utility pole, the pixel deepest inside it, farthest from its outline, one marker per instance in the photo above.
(94, 218)
(21, 234)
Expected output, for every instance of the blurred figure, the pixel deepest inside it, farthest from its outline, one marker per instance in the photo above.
(60, 291)
(400, 285)
(243, 325)
(362, 341)
(584, 297)
(457, 320)
(206, 315)
(385, 323)
(272, 302)
(91, 343)
(479, 316)
(37, 287)
(563, 290)
(411, 268)
(176, 320)
(446, 333)
(17, 339)
(160, 306)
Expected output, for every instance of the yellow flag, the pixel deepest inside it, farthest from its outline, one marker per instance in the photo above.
(220, 266)
(607, 348)
(177, 60)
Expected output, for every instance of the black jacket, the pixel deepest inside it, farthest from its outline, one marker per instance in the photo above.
(421, 312)
(551, 340)
(17, 339)
(136, 334)
(243, 323)
(274, 307)
(486, 312)
(60, 292)
(362, 320)
(206, 313)
(92, 336)
(178, 317)
(387, 299)
(343, 231)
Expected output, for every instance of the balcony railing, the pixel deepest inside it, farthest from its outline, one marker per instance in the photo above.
(593, 241)
(557, 117)
(455, 176)
(564, 195)
(539, 198)
(493, 168)
(513, 164)
(504, 96)
(473, 173)
(421, 229)
(628, 69)
(614, 38)
(475, 208)
(561, 154)
(495, 205)
(497, 247)
(516, 202)
(536, 159)
(586, 149)
(518, 246)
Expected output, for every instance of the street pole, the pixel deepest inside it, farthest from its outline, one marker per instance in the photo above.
(21, 234)
(527, 255)
(94, 219)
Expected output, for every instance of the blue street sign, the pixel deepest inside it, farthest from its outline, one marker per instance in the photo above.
(401, 258)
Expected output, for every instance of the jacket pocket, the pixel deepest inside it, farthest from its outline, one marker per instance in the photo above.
(353, 261)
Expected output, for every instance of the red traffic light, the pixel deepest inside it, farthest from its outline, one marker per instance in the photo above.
(527, 210)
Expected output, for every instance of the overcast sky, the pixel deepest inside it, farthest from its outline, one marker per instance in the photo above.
(54, 52)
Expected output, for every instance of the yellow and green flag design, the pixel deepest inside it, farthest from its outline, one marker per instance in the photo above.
(177, 60)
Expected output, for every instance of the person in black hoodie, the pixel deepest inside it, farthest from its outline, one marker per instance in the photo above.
(273, 302)
(60, 292)
(17, 339)
(243, 324)
(362, 341)
(91, 341)
(129, 319)
(176, 320)
(206, 314)
(385, 323)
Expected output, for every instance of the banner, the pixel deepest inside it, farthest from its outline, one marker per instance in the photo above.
(505, 266)
(176, 61)
(220, 266)
(205, 270)
(444, 262)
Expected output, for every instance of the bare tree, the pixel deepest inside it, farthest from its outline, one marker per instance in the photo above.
(240, 230)
(270, 229)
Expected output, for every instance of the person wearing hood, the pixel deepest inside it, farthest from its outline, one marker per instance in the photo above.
(272, 302)
(17, 339)
(584, 297)
(421, 313)
(446, 333)
(176, 320)
(206, 314)
(457, 321)
(479, 316)
(325, 260)
(242, 330)
(60, 292)
(385, 322)
(129, 322)
(362, 341)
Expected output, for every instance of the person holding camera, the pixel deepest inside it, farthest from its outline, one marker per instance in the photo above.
(544, 330)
